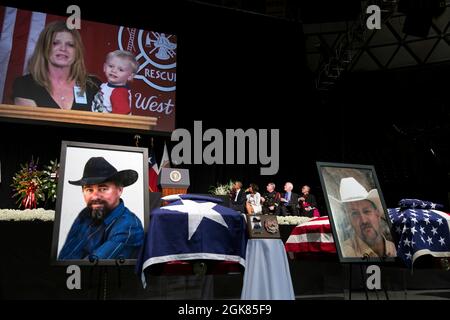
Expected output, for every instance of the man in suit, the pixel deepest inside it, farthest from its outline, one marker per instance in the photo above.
(237, 197)
(289, 201)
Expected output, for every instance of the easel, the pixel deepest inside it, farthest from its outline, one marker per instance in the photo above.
(102, 284)
(363, 274)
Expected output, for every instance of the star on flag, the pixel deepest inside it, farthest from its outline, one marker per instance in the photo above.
(196, 211)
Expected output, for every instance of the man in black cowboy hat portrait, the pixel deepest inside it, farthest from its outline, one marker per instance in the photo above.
(105, 229)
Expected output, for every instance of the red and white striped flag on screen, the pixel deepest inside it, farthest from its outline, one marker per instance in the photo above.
(19, 31)
(312, 236)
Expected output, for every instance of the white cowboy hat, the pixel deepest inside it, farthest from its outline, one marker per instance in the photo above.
(351, 190)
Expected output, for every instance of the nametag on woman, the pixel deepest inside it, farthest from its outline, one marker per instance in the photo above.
(80, 96)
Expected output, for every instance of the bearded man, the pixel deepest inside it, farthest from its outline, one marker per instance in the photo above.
(105, 229)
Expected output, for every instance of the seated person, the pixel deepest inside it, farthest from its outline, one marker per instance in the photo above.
(253, 204)
(289, 201)
(237, 197)
(308, 203)
(270, 200)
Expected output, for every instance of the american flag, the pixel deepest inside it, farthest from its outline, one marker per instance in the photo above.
(312, 236)
(193, 227)
(420, 204)
(419, 232)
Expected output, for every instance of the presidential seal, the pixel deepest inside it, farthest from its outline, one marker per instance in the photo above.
(175, 176)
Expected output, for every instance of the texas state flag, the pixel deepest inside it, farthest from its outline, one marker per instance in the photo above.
(193, 227)
(153, 172)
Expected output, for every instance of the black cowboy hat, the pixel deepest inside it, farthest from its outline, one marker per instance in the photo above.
(98, 170)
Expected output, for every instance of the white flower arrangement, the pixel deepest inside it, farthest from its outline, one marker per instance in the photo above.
(221, 189)
(27, 215)
(292, 220)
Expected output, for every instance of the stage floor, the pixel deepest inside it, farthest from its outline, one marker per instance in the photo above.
(28, 274)
(379, 295)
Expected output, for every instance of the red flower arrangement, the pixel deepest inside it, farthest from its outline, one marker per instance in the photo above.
(33, 186)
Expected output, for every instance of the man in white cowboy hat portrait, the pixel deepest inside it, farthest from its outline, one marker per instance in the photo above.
(364, 210)
(105, 228)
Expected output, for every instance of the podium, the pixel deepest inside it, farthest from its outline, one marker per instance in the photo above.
(173, 181)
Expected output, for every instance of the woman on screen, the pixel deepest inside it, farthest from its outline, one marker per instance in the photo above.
(57, 74)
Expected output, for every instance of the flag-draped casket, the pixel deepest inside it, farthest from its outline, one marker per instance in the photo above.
(193, 227)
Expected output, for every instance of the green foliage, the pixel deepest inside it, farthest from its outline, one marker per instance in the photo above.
(50, 180)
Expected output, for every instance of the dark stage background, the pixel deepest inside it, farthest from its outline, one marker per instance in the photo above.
(243, 70)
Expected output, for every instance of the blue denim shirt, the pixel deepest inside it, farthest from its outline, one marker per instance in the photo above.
(119, 235)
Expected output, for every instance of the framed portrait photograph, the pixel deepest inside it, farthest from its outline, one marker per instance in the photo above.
(357, 213)
(102, 204)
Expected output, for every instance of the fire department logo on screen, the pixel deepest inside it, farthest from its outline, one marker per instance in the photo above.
(156, 55)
